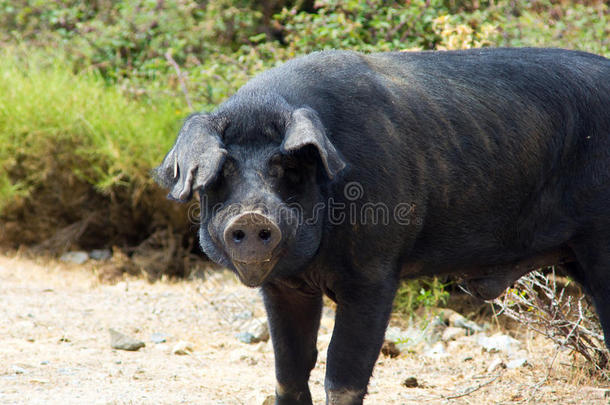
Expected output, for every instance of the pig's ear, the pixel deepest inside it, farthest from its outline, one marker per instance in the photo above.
(305, 128)
(194, 160)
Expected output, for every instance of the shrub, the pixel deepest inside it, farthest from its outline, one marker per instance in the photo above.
(71, 146)
(51, 118)
(542, 304)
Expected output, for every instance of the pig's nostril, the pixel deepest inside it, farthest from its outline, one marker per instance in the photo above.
(238, 235)
(265, 234)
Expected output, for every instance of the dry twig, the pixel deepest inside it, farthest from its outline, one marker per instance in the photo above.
(171, 61)
(538, 302)
(472, 389)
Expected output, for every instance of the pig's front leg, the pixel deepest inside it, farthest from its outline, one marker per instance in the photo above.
(363, 311)
(294, 319)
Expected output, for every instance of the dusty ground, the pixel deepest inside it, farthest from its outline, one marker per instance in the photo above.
(55, 349)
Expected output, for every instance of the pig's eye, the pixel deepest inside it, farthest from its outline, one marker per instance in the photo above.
(229, 168)
(276, 171)
(286, 168)
(292, 172)
(214, 186)
(293, 175)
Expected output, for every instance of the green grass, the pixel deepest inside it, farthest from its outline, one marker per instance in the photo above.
(52, 119)
(424, 292)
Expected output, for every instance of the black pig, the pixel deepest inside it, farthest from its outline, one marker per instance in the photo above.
(338, 172)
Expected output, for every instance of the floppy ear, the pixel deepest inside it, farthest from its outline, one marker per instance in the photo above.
(194, 160)
(305, 128)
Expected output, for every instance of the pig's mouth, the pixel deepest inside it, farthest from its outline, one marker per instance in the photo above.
(254, 274)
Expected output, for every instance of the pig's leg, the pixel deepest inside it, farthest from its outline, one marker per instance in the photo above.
(294, 319)
(363, 311)
(599, 286)
(594, 258)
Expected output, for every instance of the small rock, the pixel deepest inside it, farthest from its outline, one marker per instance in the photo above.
(260, 330)
(260, 347)
(405, 339)
(237, 355)
(455, 318)
(470, 326)
(240, 355)
(100, 254)
(444, 314)
(452, 333)
(516, 398)
(67, 371)
(18, 369)
(245, 337)
(516, 363)
(435, 329)
(77, 257)
(243, 316)
(452, 318)
(120, 341)
(496, 363)
(270, 400)
(182, 348)
(410, 382)
(437, 351)
(393, 334)
(254, 331)
(389, 349)
(158, 337)
(499, 343)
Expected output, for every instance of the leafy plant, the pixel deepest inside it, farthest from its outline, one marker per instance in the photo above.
(425, 292)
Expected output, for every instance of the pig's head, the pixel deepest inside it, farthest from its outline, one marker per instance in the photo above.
(259, 170)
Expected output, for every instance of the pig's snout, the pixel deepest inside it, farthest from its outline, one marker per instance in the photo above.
(251, 237)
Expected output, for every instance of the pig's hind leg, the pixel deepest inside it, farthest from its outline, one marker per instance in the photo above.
(593, 256)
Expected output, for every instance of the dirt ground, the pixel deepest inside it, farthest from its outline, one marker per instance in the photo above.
(55, 349)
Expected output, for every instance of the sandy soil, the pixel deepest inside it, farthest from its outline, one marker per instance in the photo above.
(55, 349)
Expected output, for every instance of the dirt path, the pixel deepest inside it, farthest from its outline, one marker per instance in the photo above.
(55, 349)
